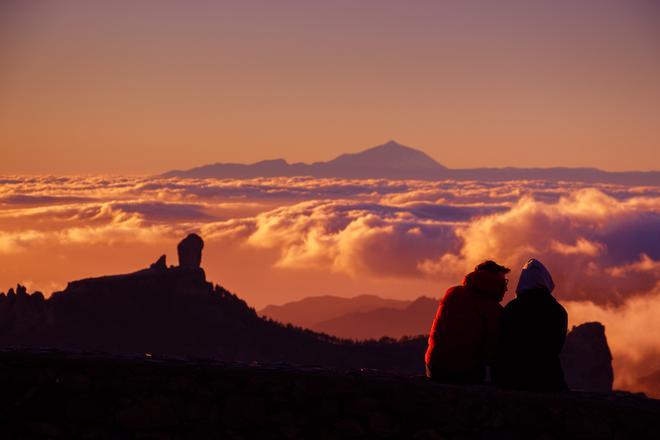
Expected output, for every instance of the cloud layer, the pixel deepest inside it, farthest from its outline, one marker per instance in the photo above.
(599, 241)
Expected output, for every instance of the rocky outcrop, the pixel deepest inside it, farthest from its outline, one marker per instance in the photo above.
(21, 312)
(174, 311)
(190, 252)
(58, 396)
(586, 358)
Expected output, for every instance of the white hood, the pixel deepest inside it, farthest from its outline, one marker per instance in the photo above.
(534, 275)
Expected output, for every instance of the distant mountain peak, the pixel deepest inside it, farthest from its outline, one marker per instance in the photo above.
(393, 160)
(392, 144)
(390, 155)
(393, 147)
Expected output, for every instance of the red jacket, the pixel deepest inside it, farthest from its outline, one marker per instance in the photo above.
(467, 324)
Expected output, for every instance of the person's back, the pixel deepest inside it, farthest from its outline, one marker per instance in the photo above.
(533, 331)
(464, 334)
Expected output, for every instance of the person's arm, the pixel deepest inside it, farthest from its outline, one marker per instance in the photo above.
(434, 326)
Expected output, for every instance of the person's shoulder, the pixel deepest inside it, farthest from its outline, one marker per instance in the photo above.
(560, 309)
(453, 292)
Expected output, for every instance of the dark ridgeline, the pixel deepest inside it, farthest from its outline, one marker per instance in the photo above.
(174, 311)
(395, 161)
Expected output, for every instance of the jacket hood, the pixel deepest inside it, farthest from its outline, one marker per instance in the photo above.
(486, 283)
(534, 276)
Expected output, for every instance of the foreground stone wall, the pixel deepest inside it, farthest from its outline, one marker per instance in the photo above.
(56, 395)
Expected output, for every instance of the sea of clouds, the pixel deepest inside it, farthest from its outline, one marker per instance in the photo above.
(601, 242)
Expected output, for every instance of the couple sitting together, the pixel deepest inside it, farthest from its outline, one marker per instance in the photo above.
(475, 340)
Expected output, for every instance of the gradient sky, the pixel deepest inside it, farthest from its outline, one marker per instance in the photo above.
(90, 86)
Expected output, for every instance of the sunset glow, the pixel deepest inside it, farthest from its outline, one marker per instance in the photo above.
(98, 99)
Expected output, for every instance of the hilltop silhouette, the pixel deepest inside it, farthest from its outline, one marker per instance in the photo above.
(313, 310)
(175, 311)
(395, 161)
(414, 319)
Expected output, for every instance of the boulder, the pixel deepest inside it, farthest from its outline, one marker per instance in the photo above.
(190, 251)
(586, 358)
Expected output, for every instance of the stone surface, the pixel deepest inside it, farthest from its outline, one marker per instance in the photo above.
(586, 358)
(160, 264)
(190, 251)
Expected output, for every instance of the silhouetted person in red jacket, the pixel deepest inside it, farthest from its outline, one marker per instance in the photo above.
(534, 328)
(464, 335)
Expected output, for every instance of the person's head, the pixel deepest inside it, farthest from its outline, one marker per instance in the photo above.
(535, 276)
(496, 273)
(491, 266)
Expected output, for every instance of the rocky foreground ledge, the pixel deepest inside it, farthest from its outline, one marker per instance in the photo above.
(60, 395)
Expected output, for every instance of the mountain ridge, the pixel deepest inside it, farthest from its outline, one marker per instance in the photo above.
(174, 311)
(393, 160)
(361, 317)
(309, 311)
(412, 320)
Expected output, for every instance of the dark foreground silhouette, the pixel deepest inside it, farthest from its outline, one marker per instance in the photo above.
(174, 311)
(63, 396)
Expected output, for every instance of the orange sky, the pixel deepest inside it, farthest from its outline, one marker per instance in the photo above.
(131, 87)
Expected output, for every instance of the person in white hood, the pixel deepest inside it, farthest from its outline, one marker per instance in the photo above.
(535, 275)
(533, 331)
